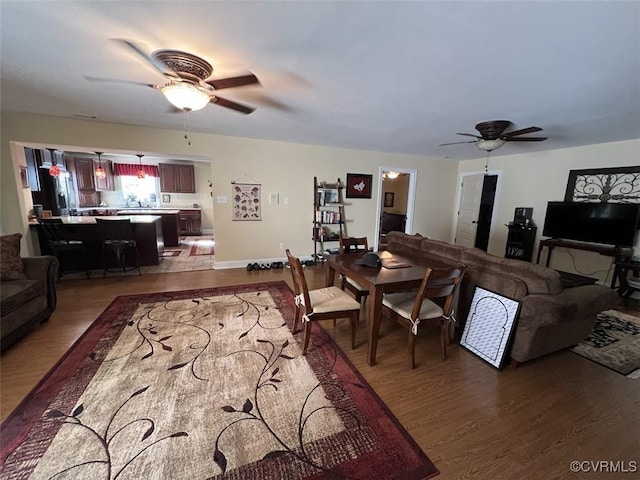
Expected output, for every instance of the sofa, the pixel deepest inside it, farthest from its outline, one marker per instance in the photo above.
(27, 290)
(551, 316)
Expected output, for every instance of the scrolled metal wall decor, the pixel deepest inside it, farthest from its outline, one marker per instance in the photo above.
(619, 184)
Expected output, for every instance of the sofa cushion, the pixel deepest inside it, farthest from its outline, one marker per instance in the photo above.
(404, 244)
(16, 293)
(537, 278)
(11, 267)
(442, 249)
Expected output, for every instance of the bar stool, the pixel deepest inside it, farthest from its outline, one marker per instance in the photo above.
(117, 238)
(70, 252)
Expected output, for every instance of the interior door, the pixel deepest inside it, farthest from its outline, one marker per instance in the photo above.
(470, 199)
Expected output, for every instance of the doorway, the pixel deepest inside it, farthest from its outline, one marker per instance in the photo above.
(396, 201)
(476, 207)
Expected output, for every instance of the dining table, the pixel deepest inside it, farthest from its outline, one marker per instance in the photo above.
(397, 273)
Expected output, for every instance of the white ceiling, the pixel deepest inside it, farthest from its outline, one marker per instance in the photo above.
(386, 76)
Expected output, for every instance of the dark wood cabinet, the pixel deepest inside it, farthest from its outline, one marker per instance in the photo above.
(107, 183)
(520, 242)
(83, 174)
(190, 222)
(175, 178)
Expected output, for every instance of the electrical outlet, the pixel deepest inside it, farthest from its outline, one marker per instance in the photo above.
(281, 245)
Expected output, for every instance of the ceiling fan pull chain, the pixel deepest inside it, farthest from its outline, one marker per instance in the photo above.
(186, 128)
(486, 164)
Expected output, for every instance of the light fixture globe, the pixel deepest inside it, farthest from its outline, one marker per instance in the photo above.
(100, 171)
(185, 96)
(490, 145)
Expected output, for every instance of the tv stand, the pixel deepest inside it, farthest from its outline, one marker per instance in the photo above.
(551, 243)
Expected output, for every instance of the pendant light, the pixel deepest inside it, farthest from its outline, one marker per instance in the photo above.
(54, 169)
(100, 172)
(140, 173)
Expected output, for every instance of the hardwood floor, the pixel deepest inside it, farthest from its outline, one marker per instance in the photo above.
(472, 420)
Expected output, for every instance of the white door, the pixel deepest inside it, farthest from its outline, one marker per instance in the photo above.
(470, 196)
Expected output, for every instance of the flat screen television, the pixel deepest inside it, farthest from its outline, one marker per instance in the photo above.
(608, 223)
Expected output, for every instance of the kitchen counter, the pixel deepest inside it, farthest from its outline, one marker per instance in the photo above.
(168, 218)
(149, 211)
(147, 232)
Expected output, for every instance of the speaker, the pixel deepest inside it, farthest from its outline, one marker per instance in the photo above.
(522, 215)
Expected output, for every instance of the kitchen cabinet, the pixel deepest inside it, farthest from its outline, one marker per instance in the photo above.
(176, 178)
(190, 222)
(83, 174)
(107, 183)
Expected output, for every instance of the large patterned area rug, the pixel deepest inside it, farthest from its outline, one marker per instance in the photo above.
(205, 384)
(614, 342)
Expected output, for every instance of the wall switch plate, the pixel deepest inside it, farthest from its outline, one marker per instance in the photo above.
(286, 200)
(222, 199)
(273, 198)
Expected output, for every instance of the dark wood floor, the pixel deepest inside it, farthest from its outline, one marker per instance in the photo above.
(472, 420)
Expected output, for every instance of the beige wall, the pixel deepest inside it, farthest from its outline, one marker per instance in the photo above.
(531, 180)
(283, 168)
(400, 188)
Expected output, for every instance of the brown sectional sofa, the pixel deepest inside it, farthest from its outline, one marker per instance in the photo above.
(27, 290)
(551, 317)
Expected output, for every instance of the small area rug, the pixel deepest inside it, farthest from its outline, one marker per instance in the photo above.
(203, 384)
(614, 342)
(191, 247)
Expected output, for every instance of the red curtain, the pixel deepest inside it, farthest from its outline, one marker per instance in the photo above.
(131, 169)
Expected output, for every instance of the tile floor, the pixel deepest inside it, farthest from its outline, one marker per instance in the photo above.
(168, 264)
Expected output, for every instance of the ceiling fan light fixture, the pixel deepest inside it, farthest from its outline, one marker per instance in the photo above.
(490, 145)
(185, 96)
(392, 175)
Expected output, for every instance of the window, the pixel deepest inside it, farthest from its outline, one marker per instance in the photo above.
(143, 190)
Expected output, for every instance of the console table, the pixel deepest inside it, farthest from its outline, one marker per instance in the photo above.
(551, 243)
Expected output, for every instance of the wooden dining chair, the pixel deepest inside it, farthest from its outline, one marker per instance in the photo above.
(326, 303)
(353, 245)
(434, 300)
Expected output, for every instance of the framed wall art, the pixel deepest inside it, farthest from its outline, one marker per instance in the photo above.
(388, 199)
(359, 185)
(490, 326)
(246, 202)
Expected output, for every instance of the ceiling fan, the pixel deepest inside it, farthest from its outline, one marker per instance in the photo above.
(493, 135)
(189, 86)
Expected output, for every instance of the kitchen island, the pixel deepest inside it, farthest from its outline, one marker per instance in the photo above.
(168, 220)
(147, 232)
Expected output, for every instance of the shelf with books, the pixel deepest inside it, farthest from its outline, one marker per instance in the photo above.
(328, 217)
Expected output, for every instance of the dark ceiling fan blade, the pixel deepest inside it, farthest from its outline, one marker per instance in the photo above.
(115, 80)
(526, 139)
(521, 132)
(155, 63)
(220, 83)
(468, 135)
(456, 143)
(232, 105)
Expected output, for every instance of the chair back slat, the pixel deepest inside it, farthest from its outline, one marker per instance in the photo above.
(299, 281)
(53, 229)
(439, 284)
(115, 229)
(353, 244)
